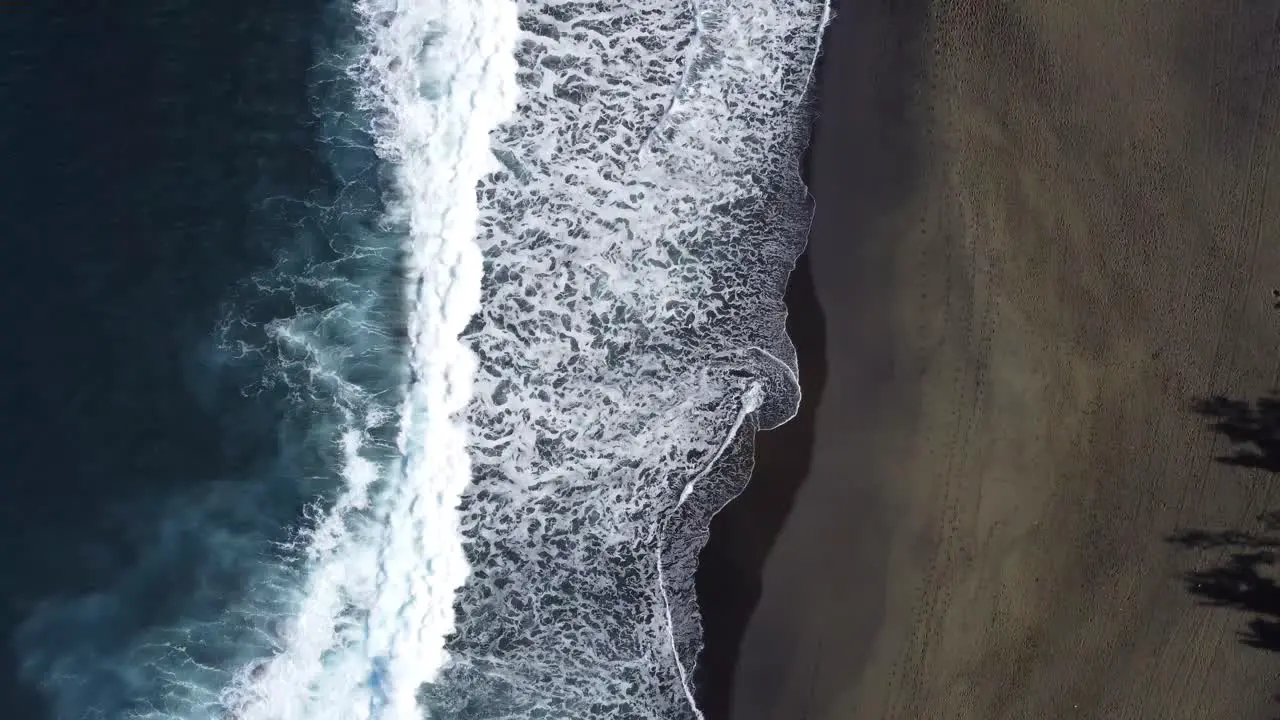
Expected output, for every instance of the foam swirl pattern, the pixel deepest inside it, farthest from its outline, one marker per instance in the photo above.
(511, 351)
(630, 340)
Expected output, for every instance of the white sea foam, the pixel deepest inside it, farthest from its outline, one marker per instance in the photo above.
(635, 221)
(435, 77)
(631, 340)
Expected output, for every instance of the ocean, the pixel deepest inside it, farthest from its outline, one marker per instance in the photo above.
(386, 359)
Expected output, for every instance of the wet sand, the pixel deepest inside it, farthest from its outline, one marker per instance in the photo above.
(1047, 238)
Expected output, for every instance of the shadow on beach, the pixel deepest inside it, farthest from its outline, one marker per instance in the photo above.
(1247, 579)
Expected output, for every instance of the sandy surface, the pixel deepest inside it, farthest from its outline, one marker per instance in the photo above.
(1045, 231)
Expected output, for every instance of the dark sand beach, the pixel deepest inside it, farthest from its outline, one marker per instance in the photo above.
(1034, 471)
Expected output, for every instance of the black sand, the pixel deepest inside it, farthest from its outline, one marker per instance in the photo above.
(1033, 474)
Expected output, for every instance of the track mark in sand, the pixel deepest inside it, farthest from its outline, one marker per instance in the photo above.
(910, 662)
(807, 708)
(930, 611)
(1239, 229)
(904, 659)
(1250, 221)
(1219, 623)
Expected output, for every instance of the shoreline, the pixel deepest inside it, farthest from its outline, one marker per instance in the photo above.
(1043, 248)
(743, 532)
(835, 302)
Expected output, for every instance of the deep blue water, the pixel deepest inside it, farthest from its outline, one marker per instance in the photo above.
(138, 140)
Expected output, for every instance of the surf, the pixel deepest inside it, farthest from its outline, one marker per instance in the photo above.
(322, 578)
(434, 78)
(520, 344)
(631, 340)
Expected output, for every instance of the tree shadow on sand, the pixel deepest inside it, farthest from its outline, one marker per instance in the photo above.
(1248, 580)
